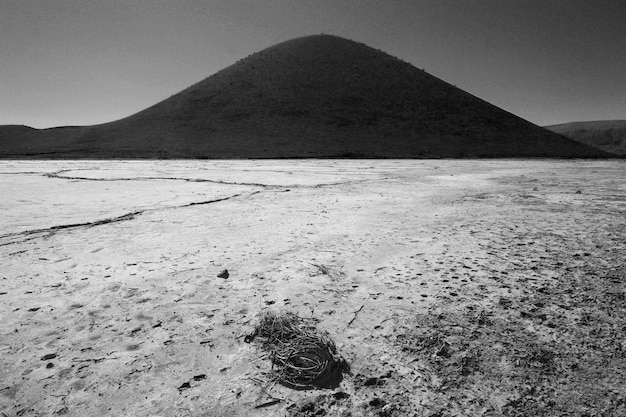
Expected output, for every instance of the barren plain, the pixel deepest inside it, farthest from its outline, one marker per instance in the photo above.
(471, 287)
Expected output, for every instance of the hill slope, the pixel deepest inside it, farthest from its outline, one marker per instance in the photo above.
(317, 96)
(608, 135)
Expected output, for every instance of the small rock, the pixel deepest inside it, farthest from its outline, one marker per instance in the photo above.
(224, 274)
(48, 356)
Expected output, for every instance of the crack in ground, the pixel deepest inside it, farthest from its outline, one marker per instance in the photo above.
(52, 230)
(125, 217)
(59, 175)
(22, 173)
(24, 235)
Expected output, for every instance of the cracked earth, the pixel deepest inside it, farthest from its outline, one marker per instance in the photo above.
(111, 303)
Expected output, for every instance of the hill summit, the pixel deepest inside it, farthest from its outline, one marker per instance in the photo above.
(316, 96)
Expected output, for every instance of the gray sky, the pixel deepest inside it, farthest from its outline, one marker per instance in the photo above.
(76, 62)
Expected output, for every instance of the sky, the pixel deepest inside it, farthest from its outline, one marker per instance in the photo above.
(82, 62)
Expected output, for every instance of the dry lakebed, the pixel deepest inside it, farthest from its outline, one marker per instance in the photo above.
(449, 287)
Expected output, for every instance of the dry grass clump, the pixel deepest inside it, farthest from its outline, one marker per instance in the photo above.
(333, 272)
(302, 356)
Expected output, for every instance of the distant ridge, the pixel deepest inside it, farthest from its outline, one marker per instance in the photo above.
(310, 97)
(608, 135)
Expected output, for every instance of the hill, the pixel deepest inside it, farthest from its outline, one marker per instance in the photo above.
(608, 135)
(316, 96)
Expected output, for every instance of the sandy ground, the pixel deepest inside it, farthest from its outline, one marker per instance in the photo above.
(111, 304)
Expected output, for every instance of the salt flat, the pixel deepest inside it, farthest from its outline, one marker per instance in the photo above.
(111, 304)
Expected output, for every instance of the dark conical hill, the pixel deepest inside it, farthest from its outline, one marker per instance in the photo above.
(318, 96)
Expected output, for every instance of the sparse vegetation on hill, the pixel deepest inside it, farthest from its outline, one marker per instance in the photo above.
(608, 135)
(317, 96)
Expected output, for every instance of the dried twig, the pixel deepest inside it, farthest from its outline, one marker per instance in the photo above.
(331, 272)
(268, 404)
(356, 313)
